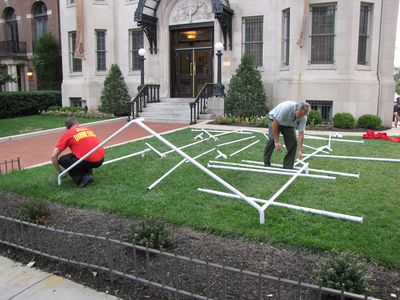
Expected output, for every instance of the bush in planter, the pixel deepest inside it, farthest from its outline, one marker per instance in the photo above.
(369, 122)
(314, 118)
(34, 210)
(344, 120)
(152, 232)
(345, 268)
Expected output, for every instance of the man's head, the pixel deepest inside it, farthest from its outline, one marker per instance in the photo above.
(301, 109)
(398, 100)
(71, 122)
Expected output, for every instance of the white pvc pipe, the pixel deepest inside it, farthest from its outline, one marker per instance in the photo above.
(205, 170)
(284, 187)
(95, 149)
(310, 169)
(236, 141)
(224, 131)
(220, 154)
(336, 140)
(175, 167)
(359, 158)
(199, 136)
(155, 150)
(126, 156)
(313, 148)
(210, 135)
(311, 155)
(290, 206)
(248, 146)
(257, 169)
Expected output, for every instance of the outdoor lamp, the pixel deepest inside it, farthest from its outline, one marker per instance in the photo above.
(219, 88)
(142, 53)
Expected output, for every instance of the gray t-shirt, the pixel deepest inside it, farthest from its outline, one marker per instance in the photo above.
(284, 113)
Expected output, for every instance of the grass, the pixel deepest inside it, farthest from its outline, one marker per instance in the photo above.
(122, 188)
(27, 124)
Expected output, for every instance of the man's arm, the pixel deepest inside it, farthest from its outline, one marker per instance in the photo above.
(300, 145)
(54, 160)
(275, 132)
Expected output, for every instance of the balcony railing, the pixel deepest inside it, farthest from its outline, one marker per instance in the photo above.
(12, 48)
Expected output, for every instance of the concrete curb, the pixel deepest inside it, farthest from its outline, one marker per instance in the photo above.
(54, 130)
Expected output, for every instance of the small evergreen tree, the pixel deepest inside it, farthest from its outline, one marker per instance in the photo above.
(246, 95)
(114, 96)
(47, 63)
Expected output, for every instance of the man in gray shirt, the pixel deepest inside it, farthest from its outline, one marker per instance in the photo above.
(284, 118)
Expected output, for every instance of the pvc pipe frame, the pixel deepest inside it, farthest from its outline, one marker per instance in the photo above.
(358, 158)
(257, 169)
(309, 169)
(175, 167)
(248, 146)
(236, 141)
(290, 206)
(162, 155)
(336, 140)
(126, 156)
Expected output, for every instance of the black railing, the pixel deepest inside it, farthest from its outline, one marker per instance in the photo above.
(12, 48)
(199, 105)
(175, 275)
(8, 166)
(149, 93)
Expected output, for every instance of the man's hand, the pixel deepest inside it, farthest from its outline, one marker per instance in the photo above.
(278, 147)
(300, 155)
(54, 160)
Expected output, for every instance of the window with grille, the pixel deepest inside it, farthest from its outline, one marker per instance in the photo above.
(324, 108)
(11, 28)
(75, 64)
(70, 2)
(285, 36)
(136, 42)
(253, 38)
(323, 34)
(101, 50)
(75, 101)
(364, 33)
(40, 20)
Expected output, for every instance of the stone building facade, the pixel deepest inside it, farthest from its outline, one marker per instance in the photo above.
(338, 55)
(21, 24)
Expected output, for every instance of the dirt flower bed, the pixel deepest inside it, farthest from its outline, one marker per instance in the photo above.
(287, 262)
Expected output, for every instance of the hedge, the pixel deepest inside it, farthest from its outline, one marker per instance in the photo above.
(369, 122)
(344, 120)
(15, 104)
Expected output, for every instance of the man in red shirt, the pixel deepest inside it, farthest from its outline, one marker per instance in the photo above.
(80, 140)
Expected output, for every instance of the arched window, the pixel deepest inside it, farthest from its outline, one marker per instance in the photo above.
(11, 28)
(40, 19)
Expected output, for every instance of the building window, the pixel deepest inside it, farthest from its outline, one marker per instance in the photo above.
(324, 108)
(75, 101)
(364, 33)
(70, 2)
(253, 38)
(285, 37)
(40, 20)
(323, 34)
(101, 50)
(11, 28)
(136, 42)
(75, 64)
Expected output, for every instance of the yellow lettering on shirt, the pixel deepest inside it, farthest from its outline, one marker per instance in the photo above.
(84, 134)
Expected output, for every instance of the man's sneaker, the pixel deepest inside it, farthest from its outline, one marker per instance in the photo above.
(267, 165)
(86, 179)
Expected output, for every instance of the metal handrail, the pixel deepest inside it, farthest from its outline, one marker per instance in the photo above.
(199, 105)
(149, 93)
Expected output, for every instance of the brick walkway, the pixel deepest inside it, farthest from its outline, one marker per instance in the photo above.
(37, 149)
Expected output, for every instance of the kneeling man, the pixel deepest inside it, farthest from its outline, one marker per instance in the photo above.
(284, 118)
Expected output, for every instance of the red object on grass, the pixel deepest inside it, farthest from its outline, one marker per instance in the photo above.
(379, 136)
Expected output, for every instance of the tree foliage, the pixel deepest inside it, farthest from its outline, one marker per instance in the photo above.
(5, 77)
(246, 95)
(47, 63)
(114, 96)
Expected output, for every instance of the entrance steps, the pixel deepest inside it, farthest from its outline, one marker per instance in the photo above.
(170, 110)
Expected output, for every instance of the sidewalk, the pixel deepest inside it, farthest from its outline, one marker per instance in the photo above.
(36, 148)
(19, 282)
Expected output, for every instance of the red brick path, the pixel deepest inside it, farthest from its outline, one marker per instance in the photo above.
(37, 149)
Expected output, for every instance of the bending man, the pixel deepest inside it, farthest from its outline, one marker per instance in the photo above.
(80, 140)
(284, 118)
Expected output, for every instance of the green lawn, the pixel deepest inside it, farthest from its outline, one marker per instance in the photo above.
(122, 188)
(27, 124)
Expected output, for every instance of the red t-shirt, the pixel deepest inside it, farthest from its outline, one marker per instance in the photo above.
(81, 140)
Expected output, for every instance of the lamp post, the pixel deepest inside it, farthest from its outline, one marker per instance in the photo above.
(219, 88)
(142, 53)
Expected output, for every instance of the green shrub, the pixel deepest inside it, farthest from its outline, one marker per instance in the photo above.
(72, 109)
(314, 118)
(34, 210)
(78, 114)
(152, 232)
(54, 108)
(15, 104)
(344, 268)
(246, 95)
(224, 120)
(369, 122)
(344, 120)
